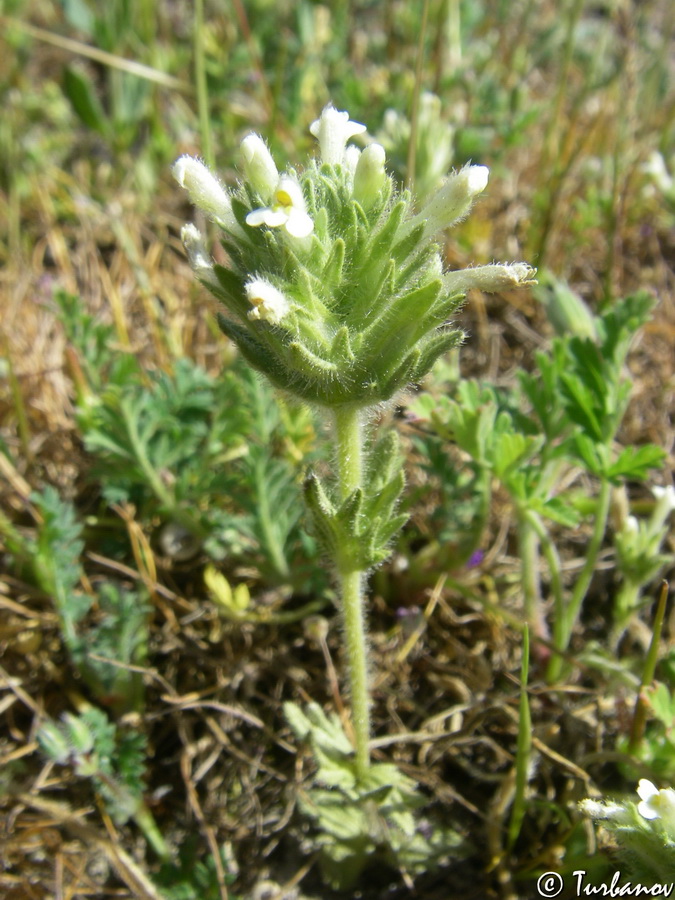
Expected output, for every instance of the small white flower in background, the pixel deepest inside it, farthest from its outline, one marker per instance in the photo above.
(269, 304)
(197, 254)
(206, 192)
(631, 525)
(454, 199)
(287, 209)
(332, 130)
(655, 803)
(259, 166)
(665, 499)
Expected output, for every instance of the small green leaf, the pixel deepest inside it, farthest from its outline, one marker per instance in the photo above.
(635, 462)
(82, 94)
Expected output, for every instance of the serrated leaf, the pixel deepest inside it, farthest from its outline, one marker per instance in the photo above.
(635, 462)
(511, 449)
(556, 510)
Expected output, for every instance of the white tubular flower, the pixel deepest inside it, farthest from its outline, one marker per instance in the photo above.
(655, 803)
(206, 192)
(454, 200)
(369, 177)
(332, 130)
(259, 166)
(269, 304)
(665, 504)
(665, 496)
(197, 254)
(497, 277)
(287, 210)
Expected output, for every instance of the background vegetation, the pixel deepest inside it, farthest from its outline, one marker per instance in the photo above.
(160, 586)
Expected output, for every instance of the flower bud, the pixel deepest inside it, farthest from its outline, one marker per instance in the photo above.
(198, 257)
(269, 304)
(81, 737)
(259, 166)
(454, 200)
(333, 129)
(54, 742)
(498, 277)
(206, 192)
(565, 310)
(369, 177)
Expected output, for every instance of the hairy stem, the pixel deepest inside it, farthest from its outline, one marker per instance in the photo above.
(349, 438)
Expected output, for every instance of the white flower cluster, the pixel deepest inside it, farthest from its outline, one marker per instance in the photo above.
(285, 208)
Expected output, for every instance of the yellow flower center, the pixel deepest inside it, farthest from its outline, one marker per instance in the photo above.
(283, 198)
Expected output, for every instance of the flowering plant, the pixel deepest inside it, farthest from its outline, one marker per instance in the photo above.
(335, 290)
(644, 831)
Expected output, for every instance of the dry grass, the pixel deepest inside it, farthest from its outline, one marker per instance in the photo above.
(222, 762)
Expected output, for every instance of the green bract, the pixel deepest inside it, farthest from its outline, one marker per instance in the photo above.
(335, 288)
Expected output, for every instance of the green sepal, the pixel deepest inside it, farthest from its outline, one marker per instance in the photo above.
(402, 250)
(256, 353)
(332, 270)
(416, 264)
(402, 375)
(402, 319)
(379, 247)
(435, 345)
(233, 290)
(384, 500)
(385, 459)
(341, 348)
(310, 363)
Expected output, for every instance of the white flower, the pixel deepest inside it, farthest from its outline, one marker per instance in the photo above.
(197, 254)
(259, 166)
(454, 199)
(665, 496)
(369, 176)
(205, 191)
(497, 277)
(333, 129)
(269, 304)
(287, 210)
(630, 526)
(654, 803)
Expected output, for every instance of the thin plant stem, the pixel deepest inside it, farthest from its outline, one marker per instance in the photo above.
(201, 84)
(524, 747)
(349, 438)
(528, 549)
(414, 112)
(641, 704)
(571, 613)
(552, 561)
